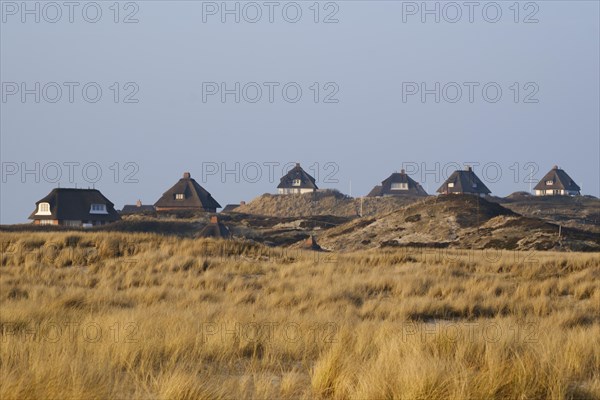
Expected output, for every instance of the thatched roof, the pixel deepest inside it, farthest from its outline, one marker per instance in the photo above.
(377, 191)
(413, 187)
(560, 181)
(75, 204)
(194, 196)
(230, 208)
(215, 229)
(137, 208)
(464, 182)
(306, 181)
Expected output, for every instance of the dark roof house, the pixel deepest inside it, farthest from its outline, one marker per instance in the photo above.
(296, 181)
(187, 194)
(215, 229)
(464, 182)
(398, 184)
(137, 208)
(231, 207)
(557, 183)
(74, 207)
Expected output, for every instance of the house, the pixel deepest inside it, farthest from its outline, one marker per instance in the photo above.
(557, 183)
(215, 229)
(398, 184)
(137, 208)
(231, 207)
(464, 182)
(297, 181)
(187, 195)
(74, 207)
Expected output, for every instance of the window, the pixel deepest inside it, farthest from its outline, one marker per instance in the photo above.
(46, 222)
(296, 182)
(44, 209)
(474, 185)
(550, 182)
(98, 209)
(179, 196)
(451, 184)
(399, 186)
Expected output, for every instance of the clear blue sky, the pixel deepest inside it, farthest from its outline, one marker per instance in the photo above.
(371, 57)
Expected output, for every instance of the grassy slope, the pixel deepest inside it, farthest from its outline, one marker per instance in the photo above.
(325, 203)
(147, 316)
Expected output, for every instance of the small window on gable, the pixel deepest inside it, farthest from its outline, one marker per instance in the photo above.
(451, 184)
(550, 182)
(44, 209)
(296, 182)
(474, 185)
(179, 196)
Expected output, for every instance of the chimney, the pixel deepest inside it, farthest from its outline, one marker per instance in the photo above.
(469, 169)
(402, 171)
(214, 219)
(555, 167)
(242, 203)
(186, 175)
(138, 203)
(298, 164)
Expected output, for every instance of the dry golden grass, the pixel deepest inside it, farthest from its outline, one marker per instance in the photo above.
(105, 315)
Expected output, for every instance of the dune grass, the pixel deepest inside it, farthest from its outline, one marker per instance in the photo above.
(112, 315)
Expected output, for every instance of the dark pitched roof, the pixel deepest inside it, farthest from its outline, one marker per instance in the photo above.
(230, 207)
(414, 188)
(560, 180)
(137, 209)
(306, 181)
(376, 191)
(75, 204)
(464, 182)
(215, 229)
(195, 196)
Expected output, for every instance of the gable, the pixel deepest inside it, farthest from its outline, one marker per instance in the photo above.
(194, 196)
(297, 178)
(464, 182)
(76, 204)
(557, 179)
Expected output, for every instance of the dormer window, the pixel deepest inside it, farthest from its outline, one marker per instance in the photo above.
(550, 182)
(399, 186)
(296, 182)
(98, 209)
(179, 196)
(43, 209)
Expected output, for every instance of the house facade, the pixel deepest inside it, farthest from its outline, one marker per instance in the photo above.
(187, 195)
(297, 181)
(398, 184)
(74, 207)
(464, 182)
(557, 183)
